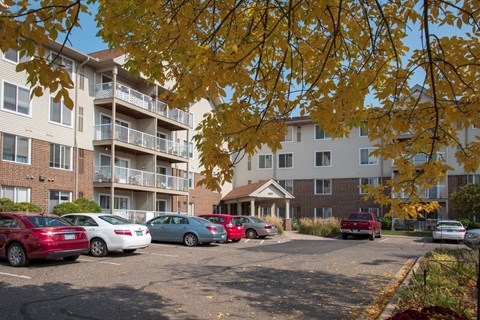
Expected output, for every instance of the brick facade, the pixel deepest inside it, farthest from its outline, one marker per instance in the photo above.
(41, 178)
(202, 198)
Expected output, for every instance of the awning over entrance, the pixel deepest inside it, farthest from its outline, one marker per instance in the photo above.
(251, 198)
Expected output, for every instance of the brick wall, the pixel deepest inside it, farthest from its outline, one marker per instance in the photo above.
(203, 199)
(29, 176)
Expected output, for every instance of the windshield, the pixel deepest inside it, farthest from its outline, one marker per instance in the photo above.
(360, 216)
(115, 220)
(48, 222)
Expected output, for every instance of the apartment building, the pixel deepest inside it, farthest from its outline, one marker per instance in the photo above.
(120, 145)
(325, 176)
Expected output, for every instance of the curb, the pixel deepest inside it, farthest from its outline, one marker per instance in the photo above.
(390, 307)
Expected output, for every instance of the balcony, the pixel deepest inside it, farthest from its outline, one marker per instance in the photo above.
(136, 98)
(127, 176)
(438, 192)
(140, 139)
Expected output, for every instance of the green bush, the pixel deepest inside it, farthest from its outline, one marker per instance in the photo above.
(386, 223)
(79, 205)
(329, 227)
(7, 205)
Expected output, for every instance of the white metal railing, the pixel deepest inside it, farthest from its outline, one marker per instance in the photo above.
(127, 94)
(140, 178)
(438, 192)
(140, 216)
(141, 139)
(413, 224)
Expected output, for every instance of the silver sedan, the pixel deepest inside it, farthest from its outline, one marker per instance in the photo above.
(255, 227)
(188, 230)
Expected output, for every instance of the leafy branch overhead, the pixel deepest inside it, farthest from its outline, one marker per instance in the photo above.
(327, 60)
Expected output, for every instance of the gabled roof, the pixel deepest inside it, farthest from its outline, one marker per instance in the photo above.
(261, 189)
(107, 54)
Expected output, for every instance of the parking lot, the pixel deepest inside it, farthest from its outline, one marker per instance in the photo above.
(283, 277)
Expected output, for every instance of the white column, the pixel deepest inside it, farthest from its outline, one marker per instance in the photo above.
(239, 208)
(252, 207)
(287, 210)
(272, 210)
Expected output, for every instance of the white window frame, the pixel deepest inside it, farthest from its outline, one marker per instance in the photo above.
(363, 129)
(65, 154)
(18, 59)
(16, 192)
(265, 157)
(116, 197)
(61, 193)
(370, 157)
(191, 180)
(285, 154)
(63, 109)
(369, 181)
(323, 187)
(375, 211)
(17, 88)
(288, 135)
(60, 62)
(29, 152)
(286, 184)
(326, 136)
(322, 151)
(323, 212)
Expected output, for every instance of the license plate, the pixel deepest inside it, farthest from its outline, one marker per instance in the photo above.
(69, 236)
(139, 233)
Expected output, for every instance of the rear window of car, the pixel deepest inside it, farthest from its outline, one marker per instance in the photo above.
(115, 220)
(200, 220)
(40, 221)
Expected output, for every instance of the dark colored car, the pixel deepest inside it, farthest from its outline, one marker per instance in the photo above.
(27, 236)
(232, 224)
(256, 227)
(472, 238)
(188, 230)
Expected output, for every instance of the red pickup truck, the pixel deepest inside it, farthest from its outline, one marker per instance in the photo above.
(361, 223)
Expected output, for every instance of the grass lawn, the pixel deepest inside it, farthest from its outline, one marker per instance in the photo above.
(410, 233)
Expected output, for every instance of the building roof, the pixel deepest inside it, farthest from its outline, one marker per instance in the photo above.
(107, 54)
(258, 190)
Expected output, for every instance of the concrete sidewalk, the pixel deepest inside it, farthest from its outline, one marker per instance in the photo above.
(294, 235)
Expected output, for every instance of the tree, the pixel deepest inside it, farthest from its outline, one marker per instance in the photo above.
(273, 59)
(466, 200)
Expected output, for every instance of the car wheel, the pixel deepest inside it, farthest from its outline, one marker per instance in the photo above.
(190, 240)
(251, 234)
(98, 248)
(71, 258)
(236, 240)
(344, 236)
(16, 255)
(128, 251)
(372, 236)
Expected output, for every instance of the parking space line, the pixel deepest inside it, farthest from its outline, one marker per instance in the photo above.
(163, 254)
(247, 240)
(261, 242)
(103, 262)
(15, 275)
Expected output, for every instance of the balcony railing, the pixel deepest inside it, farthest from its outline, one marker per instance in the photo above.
(438, 192)
(124, 93)
(141, 139)
(138, 177)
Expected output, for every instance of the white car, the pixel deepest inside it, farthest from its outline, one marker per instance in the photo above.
(449, 230)
(108, 232)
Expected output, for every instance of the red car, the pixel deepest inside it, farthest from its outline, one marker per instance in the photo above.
(26, 236)
(233, 226)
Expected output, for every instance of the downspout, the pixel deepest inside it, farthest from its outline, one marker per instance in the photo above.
(75, 144)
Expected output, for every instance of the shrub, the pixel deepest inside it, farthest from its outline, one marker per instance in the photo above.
(79, 205)
(278, 222)
(386, 222)
(319, 227)
(427, 313)
(7, 205)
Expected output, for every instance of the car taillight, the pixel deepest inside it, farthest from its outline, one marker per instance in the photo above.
(42, 234)
(123, 232)
(147, 231)
(268, 227)
(211, 228)
(462, 230)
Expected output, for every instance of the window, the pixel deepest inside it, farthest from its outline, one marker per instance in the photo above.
(323, 159)
(14, 56)
(119, 202)
(62, 62)
(16, 99)
(15, 148)
(320, 133)
(80, 119)
(56, 197)
(288, 135)
(474, 178)
(364, 129)
(60, 156)
(81, 81)
(366, 158)
(16, 194)
(59, 113)
(285, 160)
(265, 161)
(299, 134)
(322, 213)
(287, 185)
(323, 186)
(81, 161)
(249, 163)
(367, 181)
(375, 211)
(191, 180)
